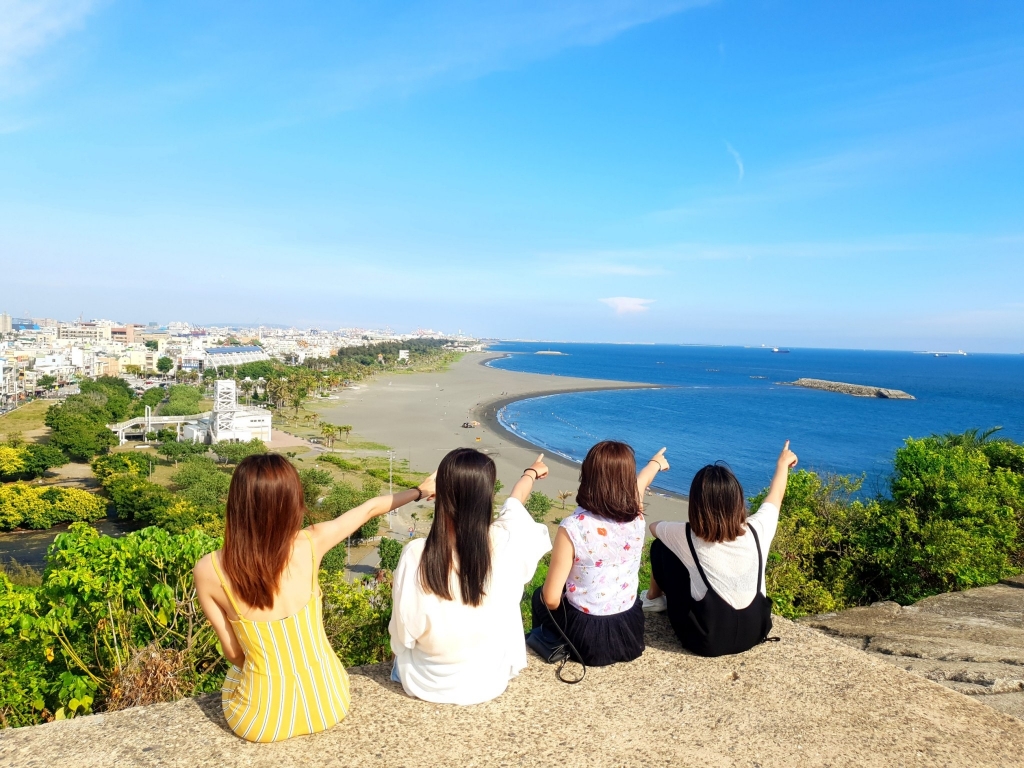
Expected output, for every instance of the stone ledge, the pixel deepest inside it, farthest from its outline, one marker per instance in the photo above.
(807, 700)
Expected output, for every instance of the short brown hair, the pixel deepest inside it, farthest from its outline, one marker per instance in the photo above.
(717, 510)
(265, 511)
(608, 482)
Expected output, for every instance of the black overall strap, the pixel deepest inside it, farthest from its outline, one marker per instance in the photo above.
(693, 552)
(760, 566)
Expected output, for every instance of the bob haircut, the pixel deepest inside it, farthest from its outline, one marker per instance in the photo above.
(265, 511)
(463, 510)
(717, 510)
(608, 482)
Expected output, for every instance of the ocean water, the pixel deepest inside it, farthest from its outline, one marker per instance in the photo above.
(724, 403)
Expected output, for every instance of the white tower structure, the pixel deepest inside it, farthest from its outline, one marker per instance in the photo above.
(229, 420)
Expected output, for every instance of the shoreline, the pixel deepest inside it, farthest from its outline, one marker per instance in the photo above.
(420, 418)
(487, 414)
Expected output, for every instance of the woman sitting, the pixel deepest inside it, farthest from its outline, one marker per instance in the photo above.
(709, 572)
(590, 590)
(260, 593)
(456, 629)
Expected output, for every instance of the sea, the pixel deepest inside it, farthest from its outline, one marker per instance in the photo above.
(729, 404)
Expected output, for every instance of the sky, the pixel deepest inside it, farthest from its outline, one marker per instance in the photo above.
(842, 174)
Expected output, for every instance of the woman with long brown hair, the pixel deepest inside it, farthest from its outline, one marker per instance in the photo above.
(261, 594)
(456, 628)
(590, 592)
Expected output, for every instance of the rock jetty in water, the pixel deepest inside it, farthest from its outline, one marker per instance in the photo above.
(857, 390)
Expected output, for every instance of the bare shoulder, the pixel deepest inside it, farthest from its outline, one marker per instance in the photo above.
(203, 570)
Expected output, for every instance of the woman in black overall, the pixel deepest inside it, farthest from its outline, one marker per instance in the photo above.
(709, 573)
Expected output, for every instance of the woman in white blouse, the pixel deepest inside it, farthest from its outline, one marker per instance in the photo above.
(456, 630)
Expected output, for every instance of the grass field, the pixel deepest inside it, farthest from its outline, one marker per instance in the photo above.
(26, 419)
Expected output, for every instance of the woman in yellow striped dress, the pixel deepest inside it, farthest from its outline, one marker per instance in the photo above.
(261, 594)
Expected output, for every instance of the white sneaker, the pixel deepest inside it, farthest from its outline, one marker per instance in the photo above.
(657, 605)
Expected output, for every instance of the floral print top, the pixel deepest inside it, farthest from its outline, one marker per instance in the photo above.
(606, 563)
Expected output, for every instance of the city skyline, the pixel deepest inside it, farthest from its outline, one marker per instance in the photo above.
(676, 172)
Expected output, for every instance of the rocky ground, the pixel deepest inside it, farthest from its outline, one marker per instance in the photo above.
(972, 641)
(807, 700)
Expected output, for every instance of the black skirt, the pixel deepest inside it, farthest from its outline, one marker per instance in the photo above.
(600, 640)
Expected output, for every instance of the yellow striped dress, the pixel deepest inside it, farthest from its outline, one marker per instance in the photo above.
(292, 683)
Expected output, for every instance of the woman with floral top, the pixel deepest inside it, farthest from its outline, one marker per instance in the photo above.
(591, 587)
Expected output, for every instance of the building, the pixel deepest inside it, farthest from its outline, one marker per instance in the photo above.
(229, 420)
(8, 385)
(217, 357)
(84, 332)
(124, 334)
(6, 326)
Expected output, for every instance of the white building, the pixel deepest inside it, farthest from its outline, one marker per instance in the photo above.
(8, 385)
(229, 420)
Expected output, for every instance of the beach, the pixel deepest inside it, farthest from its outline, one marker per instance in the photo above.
(420, 416)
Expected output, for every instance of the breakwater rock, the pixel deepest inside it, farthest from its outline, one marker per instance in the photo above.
(971, 641)
(857, 390)
(806, 700)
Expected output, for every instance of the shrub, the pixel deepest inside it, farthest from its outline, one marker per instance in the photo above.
(356, 618)
(390, 551)
(339, 462)
(538, 505)
(28, 506)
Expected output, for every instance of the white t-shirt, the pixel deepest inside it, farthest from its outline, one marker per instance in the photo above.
(731, 566)
(451, 653)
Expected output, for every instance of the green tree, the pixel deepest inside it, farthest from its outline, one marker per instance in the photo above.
(78, 435)
(538, 505)
(390, 552)
(347, 429)
(232, 453)
(46, 382)
(152, 344)
(164, 365)
(174, 451)
(314, 480)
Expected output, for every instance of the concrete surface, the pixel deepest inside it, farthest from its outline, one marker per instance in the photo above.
(807, 700)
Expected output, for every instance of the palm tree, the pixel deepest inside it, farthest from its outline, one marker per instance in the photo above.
(347, 429)
(972, 438)
(562, 496)
(328, 431)
(247, 385)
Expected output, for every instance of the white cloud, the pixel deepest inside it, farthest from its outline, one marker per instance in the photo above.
(29, 26)
(627, 305)
(737, 158)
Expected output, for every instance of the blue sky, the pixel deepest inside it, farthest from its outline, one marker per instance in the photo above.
(806, 174)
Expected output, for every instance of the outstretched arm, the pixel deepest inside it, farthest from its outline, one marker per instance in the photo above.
(646, 475)
(787, 460)
(330, 533)
(536, 471)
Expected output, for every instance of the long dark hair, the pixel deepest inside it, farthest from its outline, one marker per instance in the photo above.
(463, 509)
(717, 510)
(265, 511)
(608, 482)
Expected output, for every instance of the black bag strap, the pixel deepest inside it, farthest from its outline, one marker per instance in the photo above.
(700, 568)
(572, 648)
(760, 562)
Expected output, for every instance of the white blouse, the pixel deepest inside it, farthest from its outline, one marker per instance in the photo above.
(731, 566)
(605, 564)
(451, 653)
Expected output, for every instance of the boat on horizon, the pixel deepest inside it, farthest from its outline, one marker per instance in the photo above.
(778, 351)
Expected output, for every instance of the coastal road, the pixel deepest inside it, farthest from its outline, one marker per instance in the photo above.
(420, 417)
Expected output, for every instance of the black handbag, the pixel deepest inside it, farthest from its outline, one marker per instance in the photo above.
(555, 647)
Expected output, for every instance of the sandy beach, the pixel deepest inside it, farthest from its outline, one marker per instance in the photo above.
(420, 417)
